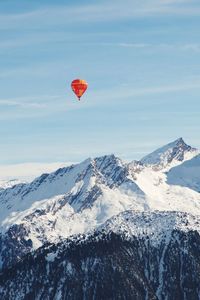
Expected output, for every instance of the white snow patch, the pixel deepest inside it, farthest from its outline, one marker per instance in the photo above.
(51, 256)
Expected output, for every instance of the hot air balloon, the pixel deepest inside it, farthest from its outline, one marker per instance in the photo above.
(79, 86)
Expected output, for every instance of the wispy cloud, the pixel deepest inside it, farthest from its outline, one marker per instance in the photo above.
(37, 107)
(45, 37)
(194, 47)
(43, 105)
(128, 91)
(53, 16)
(35, 102)
(5, 102)
(106, 11)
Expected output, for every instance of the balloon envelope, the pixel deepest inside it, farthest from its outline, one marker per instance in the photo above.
(79, 86)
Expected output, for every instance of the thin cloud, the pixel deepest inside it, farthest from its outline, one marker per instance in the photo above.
(45, 105)
(36, 102)
(134, 45)
(195, 47)
(42, 37)
(106, 11)
(122, 92)
(21, 104)
(37, 107)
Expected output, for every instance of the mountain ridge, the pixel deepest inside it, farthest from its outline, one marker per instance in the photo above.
(79, 198)
(166, 154)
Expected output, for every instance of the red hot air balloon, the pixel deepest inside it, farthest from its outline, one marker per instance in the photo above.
(79, 86)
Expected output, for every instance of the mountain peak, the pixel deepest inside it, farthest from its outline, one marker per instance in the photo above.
(107, 160)
(180, 141)
(175, 150)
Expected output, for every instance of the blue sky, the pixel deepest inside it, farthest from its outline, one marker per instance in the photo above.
(140, 58)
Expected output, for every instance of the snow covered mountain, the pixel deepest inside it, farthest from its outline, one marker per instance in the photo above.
(186, 174)
(69, 201)
(4, 184)
(134, 255)
(83, 197)
(175, 151)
